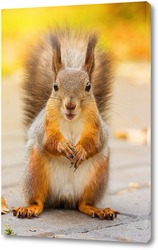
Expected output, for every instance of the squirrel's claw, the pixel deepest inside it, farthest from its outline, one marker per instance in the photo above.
(65, 148)
(80, 156)
(71, 158)
(75, 170)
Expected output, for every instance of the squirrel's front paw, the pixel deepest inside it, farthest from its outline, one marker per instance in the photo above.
(80, 155)
(65, 148)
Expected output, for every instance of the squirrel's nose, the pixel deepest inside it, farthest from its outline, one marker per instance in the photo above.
(70, 103)
(70, 106)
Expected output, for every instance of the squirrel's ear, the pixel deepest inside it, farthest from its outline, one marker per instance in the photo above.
(56, 59)
(90, 60)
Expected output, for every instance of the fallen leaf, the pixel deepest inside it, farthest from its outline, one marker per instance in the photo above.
(4, 207)
(46, 234)
(134, 185)
(123, 191)
(59, 236)
(137, 136)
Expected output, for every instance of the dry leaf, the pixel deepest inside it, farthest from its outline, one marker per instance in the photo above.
(137, 136)
(123, 191)
(59, 236)
(4, 207)
(134, 185)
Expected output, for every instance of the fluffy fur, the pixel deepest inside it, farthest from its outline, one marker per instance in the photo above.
(39, 76)
(67, 90)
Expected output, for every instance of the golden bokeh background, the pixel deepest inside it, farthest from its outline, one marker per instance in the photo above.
(123, 27)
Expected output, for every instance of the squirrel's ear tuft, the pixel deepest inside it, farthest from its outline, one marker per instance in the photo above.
(90, 60)
(56, 59)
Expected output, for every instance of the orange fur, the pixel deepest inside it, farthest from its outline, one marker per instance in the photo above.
(38, 184)
(52, 134)
(90, 136)
(53, 137)
(39, 169)
(98, 177)
(69, 91)
(93, 191)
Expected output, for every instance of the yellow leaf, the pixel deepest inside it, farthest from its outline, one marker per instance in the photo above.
(134, 185)
(4, 207)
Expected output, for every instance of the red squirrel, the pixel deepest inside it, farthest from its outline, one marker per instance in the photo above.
(67, 90)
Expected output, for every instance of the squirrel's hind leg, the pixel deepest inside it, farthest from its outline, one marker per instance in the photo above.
(31, 211)
(36, 185)
(106, 213)
(94, 191)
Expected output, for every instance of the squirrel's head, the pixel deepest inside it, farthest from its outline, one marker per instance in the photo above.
(72, 89)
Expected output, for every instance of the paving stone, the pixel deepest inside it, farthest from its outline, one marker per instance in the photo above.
(136, 232)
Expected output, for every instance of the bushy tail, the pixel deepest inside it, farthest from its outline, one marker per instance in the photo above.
(39, 75)
(38, 79)
(103, 77)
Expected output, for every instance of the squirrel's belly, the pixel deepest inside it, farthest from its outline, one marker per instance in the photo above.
(67, 185)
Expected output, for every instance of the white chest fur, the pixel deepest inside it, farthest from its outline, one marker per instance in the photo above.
(72, 130)
(66, 184)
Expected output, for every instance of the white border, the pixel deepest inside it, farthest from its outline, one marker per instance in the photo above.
(40, 244)
(8, 4)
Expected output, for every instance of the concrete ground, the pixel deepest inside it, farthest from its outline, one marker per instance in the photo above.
(130, 176)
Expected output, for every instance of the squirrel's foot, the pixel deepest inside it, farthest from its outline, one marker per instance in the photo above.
(31, 211)
(66, 149)
(80, 155)
(107, 213)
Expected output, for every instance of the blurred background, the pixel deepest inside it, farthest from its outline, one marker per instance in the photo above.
(124, 29)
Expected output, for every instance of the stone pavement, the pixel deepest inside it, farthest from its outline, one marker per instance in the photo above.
(129, 189)
(129, 193)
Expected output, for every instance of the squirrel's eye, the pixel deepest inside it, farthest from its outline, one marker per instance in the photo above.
(88, 87)
(55, 86)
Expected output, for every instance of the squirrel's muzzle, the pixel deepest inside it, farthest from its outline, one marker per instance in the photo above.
(70, 104)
